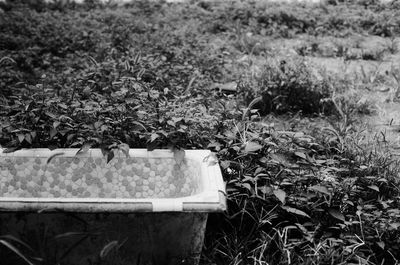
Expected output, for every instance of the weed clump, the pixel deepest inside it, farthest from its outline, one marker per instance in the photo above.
(301, 194)
(291, 87)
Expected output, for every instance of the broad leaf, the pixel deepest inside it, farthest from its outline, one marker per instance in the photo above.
(280, 194)
(394, 225)
(295, 211)
(321, 189)
(381, 244)
(56, 124)
(252, 147)
(84, 149)
(225, 164)
(53, 132)
(21, 137)
(28, 138)
(179, 155)
(124, 148)
(247, 186)
(153, 137)
(301, 155)
(110, 156)
(374, 187)
(337, 214)
(105, 150)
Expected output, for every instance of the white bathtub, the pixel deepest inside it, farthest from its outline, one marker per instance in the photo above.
(158, 208)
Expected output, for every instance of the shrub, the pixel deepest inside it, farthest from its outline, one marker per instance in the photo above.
(292, 87)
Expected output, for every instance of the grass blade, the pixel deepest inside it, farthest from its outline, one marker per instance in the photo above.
(15, 250)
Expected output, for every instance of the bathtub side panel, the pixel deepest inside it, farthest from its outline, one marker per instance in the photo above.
(107, 238)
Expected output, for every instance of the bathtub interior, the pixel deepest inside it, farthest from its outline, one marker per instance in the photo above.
(61, 175)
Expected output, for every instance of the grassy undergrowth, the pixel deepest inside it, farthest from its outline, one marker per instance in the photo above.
(145, 75)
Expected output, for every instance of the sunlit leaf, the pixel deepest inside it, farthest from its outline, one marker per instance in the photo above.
(374, 187)
(321, 189)
(280, 194)
(301, 155)
(302, 228)
(86, 90)
(103, 128)
(230, 134)
(225, 164)
(381, 244)
(226, 87)
(281, 159)
(247, 186)
(28, 138)
(56, 124)
(97, 124)
(267, 190)
(70, 137)
(215, 145)
(252, 147)
(52, 115)
(394, 225)
(154, 136)
(21, 137)
(295, 211)
(139, 125)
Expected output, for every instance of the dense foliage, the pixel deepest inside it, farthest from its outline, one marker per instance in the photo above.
(150, 75)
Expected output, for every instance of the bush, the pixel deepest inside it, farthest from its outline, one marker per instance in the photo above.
(291, 86)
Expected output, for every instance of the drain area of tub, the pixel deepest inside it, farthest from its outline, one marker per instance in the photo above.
(93, 177)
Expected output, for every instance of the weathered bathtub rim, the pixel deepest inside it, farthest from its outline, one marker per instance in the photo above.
(212, 197)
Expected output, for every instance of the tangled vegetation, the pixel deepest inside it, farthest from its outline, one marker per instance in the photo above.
(154, 75)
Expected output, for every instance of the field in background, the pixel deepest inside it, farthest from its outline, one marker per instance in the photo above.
(311, 170)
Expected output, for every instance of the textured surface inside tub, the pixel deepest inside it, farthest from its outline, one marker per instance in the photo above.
(93, 177)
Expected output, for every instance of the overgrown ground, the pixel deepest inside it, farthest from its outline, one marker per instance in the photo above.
(312, 178)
